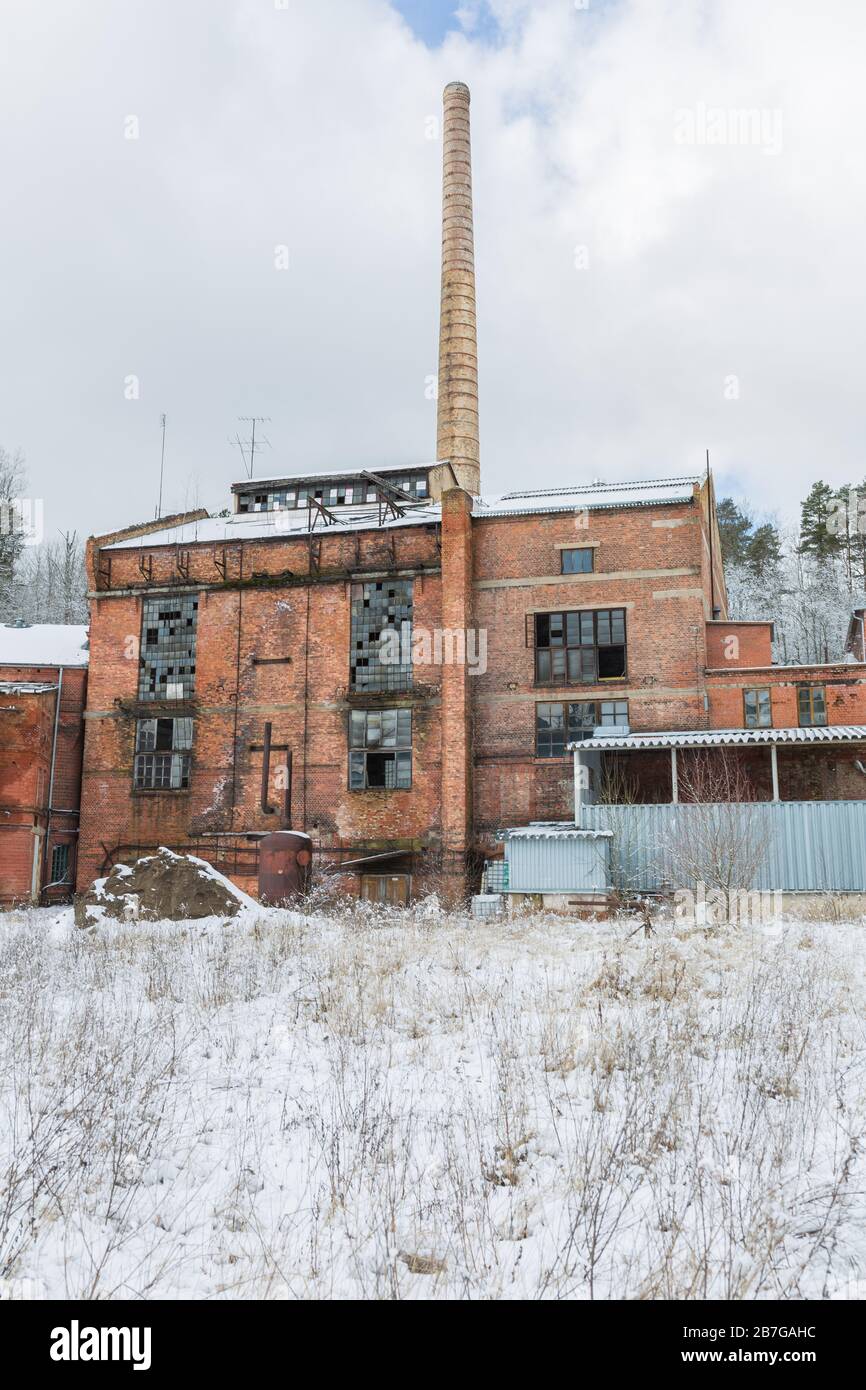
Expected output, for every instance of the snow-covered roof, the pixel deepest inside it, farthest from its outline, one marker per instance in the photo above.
(295, 521)
(549, 830)
(719, 738)
(589, 497)
(25, 687)
(277, 525)
(43, 644)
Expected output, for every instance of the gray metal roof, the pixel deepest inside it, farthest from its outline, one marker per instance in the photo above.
(723, 738)
(547, 830)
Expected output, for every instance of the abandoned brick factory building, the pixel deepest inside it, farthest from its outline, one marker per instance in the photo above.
(394, 661)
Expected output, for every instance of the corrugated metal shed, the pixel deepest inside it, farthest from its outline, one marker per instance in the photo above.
(557, 859)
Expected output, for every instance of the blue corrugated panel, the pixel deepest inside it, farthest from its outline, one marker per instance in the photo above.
(807, 846)
(551, 863)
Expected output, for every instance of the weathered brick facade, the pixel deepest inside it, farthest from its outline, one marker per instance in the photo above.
(38, 815)
(274, 644)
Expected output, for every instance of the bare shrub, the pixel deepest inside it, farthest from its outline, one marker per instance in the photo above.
(719, 839)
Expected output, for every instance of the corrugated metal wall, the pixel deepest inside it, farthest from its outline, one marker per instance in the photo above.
(558, 864)
(817, 846)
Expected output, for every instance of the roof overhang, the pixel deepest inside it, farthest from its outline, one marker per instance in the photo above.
(366, 859)
(723, 738)
(327, 475)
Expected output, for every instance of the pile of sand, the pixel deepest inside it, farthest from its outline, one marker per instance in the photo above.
(161, 886)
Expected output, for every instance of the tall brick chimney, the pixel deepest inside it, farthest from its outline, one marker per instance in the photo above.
(457, 414)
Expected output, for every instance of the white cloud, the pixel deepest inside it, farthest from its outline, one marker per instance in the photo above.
(305, 128)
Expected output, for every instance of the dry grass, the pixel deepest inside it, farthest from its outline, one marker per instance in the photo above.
(407, 1105)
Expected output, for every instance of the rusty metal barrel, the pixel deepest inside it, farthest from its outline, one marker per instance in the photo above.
(285, 859)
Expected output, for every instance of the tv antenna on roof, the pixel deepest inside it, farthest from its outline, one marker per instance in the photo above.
(249, 446)
(158, 512)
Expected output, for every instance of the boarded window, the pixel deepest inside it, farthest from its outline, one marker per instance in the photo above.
(381, 638)
(162, 754)
(168, 640)
(385, 888)
(380, 749)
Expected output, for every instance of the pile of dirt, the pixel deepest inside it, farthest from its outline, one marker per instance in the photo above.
(158, 887)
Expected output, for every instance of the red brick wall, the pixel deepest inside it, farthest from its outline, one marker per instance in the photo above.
(25, 761)
(845, 691)
(647, 560)
(739, 644)
(26, 729)
(306, 700)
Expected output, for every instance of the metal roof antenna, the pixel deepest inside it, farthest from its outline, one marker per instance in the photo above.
(158, 512)
(252, 443)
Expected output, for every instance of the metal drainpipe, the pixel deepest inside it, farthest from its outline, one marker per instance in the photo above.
(44, 875)
(306, 703)
(237, 699)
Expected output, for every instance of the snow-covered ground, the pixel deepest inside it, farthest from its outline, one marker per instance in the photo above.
(419, 1106)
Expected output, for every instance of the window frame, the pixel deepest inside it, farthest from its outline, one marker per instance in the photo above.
(368, 674)
(396, 747)
(151, 754)
(572, 733)
(168, 642)
(578, 617)
(587, 550)
(758, 690)
(811, 691)
(63, 849)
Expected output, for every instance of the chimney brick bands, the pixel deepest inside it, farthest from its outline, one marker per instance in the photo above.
(457, 413)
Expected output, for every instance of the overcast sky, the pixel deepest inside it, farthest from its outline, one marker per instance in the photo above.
(645, 290)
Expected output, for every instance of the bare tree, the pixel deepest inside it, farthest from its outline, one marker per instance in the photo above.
(12, 482)
(720, 834)
(49, 584)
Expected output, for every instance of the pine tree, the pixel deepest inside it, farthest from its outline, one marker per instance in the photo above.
(820, 523)
(735, 531)
(764, 549)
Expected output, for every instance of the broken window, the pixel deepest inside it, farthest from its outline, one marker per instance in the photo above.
(167, 660)
(580, 648)
(578, 560)
(162, 754)
(757, 708)
(339, 492)
(381, 639)
(811, 705)
(380, 749)
(557, 725)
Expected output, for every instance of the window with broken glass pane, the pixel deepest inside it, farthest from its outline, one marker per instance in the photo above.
(337, 492)
(580, 648)
(380, 749)
(168, 640)
(380, 658)
(162, 754)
